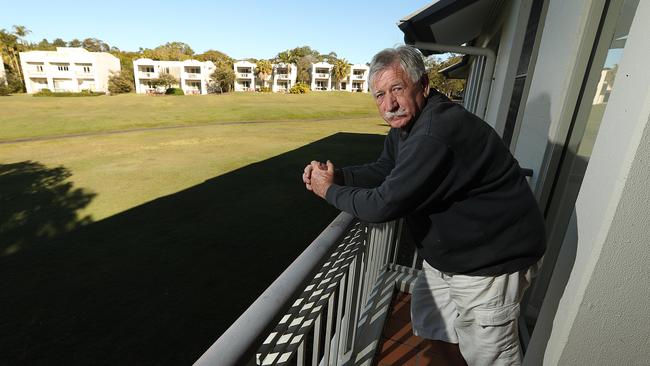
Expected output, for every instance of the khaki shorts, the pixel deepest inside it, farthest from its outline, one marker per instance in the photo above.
(479, 313)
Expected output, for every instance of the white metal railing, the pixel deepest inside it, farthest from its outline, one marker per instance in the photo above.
(323, 306)
(244, 75)
(192, 75)
(358, 76)
(148, 74)
(283, 76)
(321, 75)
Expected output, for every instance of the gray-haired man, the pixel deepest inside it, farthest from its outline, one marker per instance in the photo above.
(472, 215)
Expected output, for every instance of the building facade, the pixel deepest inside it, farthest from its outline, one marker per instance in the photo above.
(358, 79)
(244, 75)
(321, 76)
(192, 76)
(284, 77)
(67, 69)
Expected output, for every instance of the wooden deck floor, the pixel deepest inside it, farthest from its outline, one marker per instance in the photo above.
(399, 346)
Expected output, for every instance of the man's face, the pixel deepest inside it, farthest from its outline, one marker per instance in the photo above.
(399, 99)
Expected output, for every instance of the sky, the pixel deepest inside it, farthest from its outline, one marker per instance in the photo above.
(355, 30)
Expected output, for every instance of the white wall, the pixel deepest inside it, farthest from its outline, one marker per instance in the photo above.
(102, 64)
(603, 316)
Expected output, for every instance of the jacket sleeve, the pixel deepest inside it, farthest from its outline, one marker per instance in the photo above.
(421, 169)
(373, 174)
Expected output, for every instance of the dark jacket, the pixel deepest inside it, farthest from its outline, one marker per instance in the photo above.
(462, 193)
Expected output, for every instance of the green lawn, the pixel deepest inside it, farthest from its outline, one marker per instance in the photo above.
(141, 247)
(24, 116)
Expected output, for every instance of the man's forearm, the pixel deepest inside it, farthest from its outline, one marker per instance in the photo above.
(339, 178)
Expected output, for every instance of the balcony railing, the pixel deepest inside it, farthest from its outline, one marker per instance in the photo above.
(144, 74)
(358, 76)
(327, 308)
(283, 76)
(192, 75)
(244, 75)
(321, 75)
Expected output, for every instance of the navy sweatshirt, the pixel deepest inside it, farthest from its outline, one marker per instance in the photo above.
(465, 201)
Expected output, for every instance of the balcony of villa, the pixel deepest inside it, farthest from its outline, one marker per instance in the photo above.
(30, 71)
(84, 73)
(358, 77)
(147, 74)
(344, 301)
(322, 75)
(191, 76)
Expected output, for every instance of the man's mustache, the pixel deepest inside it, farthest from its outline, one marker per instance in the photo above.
(399, 113)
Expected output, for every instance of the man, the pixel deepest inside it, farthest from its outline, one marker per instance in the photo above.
(470, 211)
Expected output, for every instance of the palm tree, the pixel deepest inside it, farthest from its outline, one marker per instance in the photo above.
(9, 46)
(340, 71)
(287, 58)
(21, 31)
(263, 70)
(13, 43)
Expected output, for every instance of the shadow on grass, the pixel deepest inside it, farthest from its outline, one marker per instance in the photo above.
(157, 284)
(37, 204)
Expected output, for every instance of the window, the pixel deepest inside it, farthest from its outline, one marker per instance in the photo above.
(39, 68)
(87, 69)
(62, 67)
(147, 68)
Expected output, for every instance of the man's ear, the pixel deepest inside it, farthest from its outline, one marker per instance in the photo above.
(425, 84)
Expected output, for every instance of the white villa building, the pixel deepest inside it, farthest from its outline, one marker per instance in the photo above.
(68, 69)
(321, 76)
(359, 78)
(3, 74)
(284, 77)
(193, 76)
(244, 75)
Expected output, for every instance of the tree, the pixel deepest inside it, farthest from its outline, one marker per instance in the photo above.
(171, 51)
(44, 45)
(217, 57)
(95, 45)
(21, 31)
(58, 42)
(263, 70)
(10, 46)
(223, 78)
(118, 84)
(74, 43)
(340, 71)
(438, 81)
(304, 68)
(165, 80)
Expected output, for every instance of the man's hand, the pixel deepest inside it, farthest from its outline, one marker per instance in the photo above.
(306, 175)
(318, 177)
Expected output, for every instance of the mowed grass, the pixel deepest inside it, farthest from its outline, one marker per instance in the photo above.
(128, 169)
(141, 247)
(24, 116)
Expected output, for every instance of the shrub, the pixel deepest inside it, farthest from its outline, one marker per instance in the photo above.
(174, 91)
(4, 88)
(265, 89)
(119, 84)
(299, 88)
(83, 93)
(15, 83)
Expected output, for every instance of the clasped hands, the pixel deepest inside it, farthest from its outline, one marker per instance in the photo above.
(318, 177)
